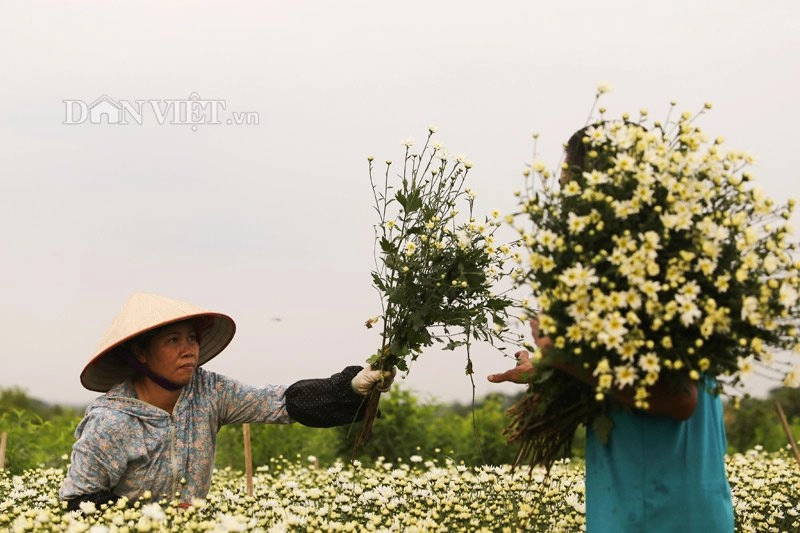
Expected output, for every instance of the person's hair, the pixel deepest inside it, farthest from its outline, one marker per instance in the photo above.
(575, 150)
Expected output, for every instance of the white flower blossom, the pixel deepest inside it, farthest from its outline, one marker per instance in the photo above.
(87, 508)
(154, 512)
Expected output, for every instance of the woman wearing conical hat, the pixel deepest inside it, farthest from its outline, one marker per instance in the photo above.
(154, 430)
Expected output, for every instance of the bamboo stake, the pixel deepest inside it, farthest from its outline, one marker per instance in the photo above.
(3, 437)
(248, 459)
(788, 431)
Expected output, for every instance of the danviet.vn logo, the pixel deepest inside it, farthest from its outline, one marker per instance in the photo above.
(193, 111)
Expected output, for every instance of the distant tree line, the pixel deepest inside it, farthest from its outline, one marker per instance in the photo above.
(41, 434)
(37, 434)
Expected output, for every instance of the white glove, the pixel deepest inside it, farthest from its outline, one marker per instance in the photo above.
(368, 378)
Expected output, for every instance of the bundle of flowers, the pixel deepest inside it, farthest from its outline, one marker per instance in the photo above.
(437, 263)
(652, 257)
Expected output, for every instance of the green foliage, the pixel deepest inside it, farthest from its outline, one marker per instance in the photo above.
(37, 434)
(436, 264)
(33, 442)
(407, 426)
(485, 425)
(756, 423)
(472, 435)
(16, 398)
(275, 440)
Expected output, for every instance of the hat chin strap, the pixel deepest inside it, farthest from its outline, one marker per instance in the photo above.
(161, 381)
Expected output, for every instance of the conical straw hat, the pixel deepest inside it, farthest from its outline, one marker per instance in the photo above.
(143, 312)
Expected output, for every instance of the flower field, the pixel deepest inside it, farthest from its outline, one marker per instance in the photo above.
(403, 495)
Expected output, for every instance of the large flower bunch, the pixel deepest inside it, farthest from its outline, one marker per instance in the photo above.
(437, 263)
(652, 256)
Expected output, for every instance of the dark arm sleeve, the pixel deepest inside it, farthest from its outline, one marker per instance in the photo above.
(98, 498)
(326, 402)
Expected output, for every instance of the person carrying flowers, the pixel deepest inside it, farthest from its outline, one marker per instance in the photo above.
(660, 275)
(661, 470)
(154, 430)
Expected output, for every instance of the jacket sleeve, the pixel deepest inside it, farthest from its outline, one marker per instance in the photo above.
(326, 402)
(99, 457)
(237, 402)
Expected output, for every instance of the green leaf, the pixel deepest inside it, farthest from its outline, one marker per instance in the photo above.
(387, 246)
(410, 202)
(414, 202)
(401, 198)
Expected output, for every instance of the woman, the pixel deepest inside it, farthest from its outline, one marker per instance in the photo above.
(155, 427)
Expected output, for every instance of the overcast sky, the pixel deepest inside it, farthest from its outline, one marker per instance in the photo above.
(272, 223)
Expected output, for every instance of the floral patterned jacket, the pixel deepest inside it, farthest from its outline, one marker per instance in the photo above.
(126, 446)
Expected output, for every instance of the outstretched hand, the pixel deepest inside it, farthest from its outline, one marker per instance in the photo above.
(677, 402)
(521, 373)
(524, 369)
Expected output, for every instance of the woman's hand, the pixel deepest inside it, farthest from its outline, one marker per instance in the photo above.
(674, 402)
(524, 369)
(521, 373)
(368, 379)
